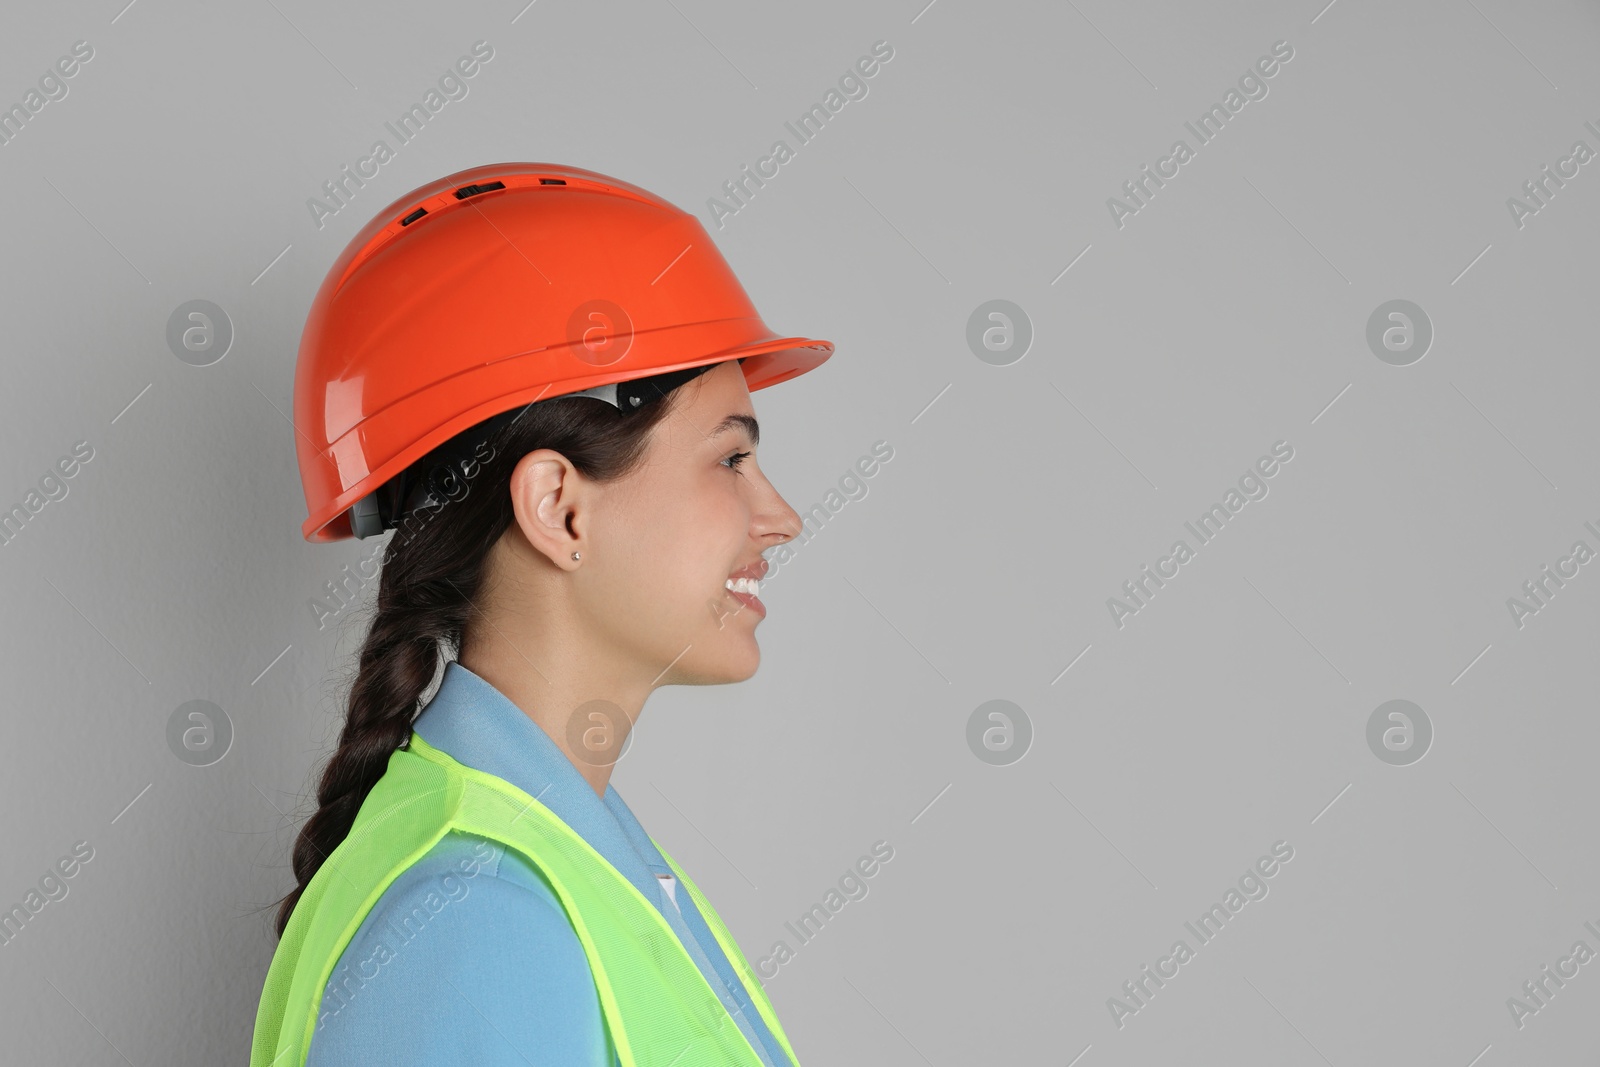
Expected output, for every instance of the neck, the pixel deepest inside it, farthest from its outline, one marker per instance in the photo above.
(587, 718)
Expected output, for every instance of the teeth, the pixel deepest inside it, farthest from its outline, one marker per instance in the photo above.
(744, 585)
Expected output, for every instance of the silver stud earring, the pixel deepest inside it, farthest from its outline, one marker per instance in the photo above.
(574, 555)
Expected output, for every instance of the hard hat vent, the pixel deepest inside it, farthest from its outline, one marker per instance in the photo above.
(473, 190)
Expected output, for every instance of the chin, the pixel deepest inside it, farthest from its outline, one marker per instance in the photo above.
(755, 662)
(739, 670)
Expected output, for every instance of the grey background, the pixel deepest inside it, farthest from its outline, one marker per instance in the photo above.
(1228, 314)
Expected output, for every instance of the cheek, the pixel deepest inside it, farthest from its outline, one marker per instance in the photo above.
(709, 514)
(672, 600)
(685, 540)
(672, 559)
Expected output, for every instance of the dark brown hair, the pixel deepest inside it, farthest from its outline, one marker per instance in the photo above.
(433, 569)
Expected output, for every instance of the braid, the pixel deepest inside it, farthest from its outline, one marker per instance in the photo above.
(416, 616)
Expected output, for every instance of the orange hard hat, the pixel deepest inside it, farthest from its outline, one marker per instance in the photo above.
(496, 287)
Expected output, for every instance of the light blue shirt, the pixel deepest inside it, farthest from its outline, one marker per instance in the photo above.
(468, 956)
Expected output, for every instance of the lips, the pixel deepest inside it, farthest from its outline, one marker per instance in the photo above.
(751, 602)
(753, 572)
(756, 570)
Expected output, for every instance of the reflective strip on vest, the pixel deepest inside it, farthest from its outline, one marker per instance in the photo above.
(658, 1008)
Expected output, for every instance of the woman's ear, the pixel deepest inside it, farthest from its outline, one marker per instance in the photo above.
(549, 500)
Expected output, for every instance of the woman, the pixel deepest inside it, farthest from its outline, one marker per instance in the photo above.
(540, 378)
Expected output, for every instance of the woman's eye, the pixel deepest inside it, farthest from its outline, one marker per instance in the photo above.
(736, 459)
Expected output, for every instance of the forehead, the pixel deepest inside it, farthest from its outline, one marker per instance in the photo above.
(710, 398)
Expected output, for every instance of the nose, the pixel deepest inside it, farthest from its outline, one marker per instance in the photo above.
(775, 521)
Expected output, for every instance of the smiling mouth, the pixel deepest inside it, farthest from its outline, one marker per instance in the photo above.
(744, 591)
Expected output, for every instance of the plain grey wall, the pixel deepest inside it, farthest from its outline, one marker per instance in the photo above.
(1147, 358)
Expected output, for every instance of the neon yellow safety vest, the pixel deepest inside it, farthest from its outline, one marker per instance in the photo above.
(658, 1008)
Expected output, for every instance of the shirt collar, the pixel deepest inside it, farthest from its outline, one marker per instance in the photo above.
(475, 724)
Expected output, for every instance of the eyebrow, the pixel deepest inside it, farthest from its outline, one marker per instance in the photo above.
(747, 422)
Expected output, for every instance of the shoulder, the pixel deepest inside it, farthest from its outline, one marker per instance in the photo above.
(467, 956)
